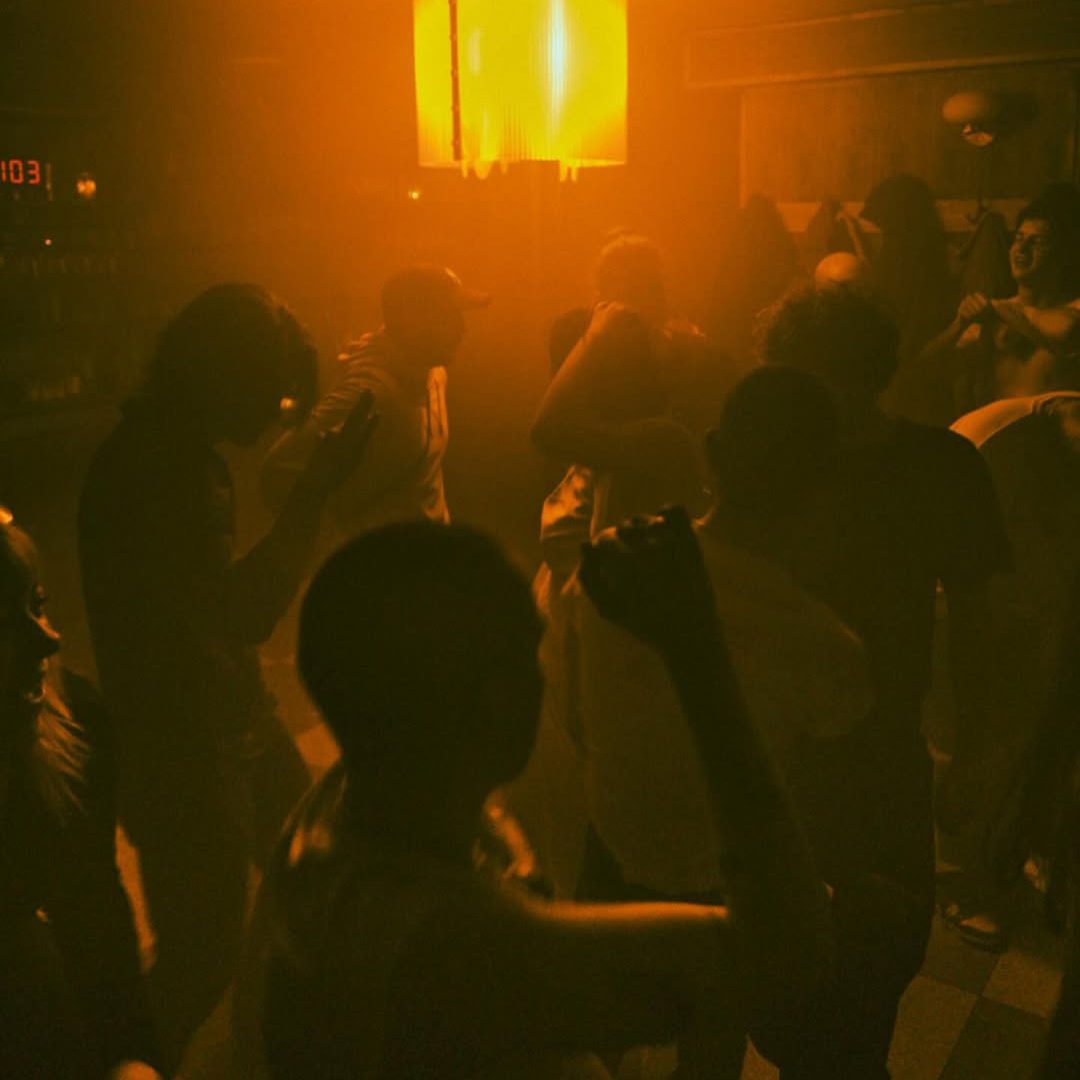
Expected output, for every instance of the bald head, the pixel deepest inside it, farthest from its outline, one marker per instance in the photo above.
(842, 270)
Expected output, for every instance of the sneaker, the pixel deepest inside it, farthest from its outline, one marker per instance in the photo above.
(978, 928)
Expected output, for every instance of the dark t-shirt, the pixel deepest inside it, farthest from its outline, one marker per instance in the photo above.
(72, 1001)
(915, 509)
(174, 651)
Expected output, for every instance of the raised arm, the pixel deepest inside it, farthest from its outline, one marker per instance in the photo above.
(575, 421)
(653, 582)
(975, 311)
(606, 977)
(258, 587)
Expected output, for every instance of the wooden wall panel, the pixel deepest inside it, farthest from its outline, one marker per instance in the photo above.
(916, 37)
(839, 138)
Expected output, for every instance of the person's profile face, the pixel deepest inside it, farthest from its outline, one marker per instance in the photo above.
(27, 639)
(1032, 255)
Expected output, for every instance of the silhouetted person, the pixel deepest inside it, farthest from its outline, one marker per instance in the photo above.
(915, 507)
(389, 955)
(911, 273)
(207, 771)
(548, 796)
(1030, 343)
(1043, 820)
(566, 517)
(72, 1001)
(1032, 447)
(403, 366)
(802, 674)
(616, 405)
(760, 264)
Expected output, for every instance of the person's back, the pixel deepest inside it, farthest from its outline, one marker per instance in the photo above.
(801, 671)
(405, 478)
(416, 946)
(156, 523)
(1029, 445)
(915, 507)
(403, 366)
(207, 772)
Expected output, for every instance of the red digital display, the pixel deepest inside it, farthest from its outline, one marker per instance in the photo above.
(22, 172)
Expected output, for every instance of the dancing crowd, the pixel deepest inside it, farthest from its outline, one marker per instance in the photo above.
(680, 789)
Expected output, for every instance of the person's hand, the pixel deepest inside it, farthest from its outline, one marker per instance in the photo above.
(133, 1070)
(611, 317)
(649, 577)
(339, 452)
(975, 308)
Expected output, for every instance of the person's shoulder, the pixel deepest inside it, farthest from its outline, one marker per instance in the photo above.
(935, 444)
(146, 446)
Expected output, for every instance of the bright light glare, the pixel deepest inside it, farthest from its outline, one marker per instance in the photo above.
(540, 80)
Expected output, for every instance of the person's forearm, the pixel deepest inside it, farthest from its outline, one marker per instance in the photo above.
(260, 586)
(566, 426)
(946, 340)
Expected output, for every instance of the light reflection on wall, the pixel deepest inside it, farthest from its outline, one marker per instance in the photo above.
(538, 80)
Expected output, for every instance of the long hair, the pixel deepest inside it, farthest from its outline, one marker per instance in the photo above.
(58, 752)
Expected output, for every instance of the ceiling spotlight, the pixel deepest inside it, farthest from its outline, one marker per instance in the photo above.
(85, 186)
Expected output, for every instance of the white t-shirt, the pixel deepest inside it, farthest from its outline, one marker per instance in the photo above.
(801, 671)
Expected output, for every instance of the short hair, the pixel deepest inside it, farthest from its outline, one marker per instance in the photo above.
(401, 632)
(626, 265)
(843, 337)
(777, 438)
(226, 339)
(1059, 206)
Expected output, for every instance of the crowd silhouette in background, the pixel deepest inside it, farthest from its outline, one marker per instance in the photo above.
(683, 790)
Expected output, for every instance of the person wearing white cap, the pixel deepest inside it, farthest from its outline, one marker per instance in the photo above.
(403, 364)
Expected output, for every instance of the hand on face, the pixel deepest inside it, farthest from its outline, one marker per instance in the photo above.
(612, 317)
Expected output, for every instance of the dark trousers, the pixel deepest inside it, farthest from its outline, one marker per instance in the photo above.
(867, 804)
(198, 825)
(704, 1055)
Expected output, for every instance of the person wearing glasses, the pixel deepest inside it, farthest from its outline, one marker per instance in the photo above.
(1030, 343)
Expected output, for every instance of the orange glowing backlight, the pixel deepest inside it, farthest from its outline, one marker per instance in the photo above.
(499, 81)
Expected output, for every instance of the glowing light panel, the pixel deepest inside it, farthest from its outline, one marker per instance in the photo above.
(499, 81)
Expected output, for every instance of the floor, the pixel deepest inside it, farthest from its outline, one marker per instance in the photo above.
(972, 1015)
